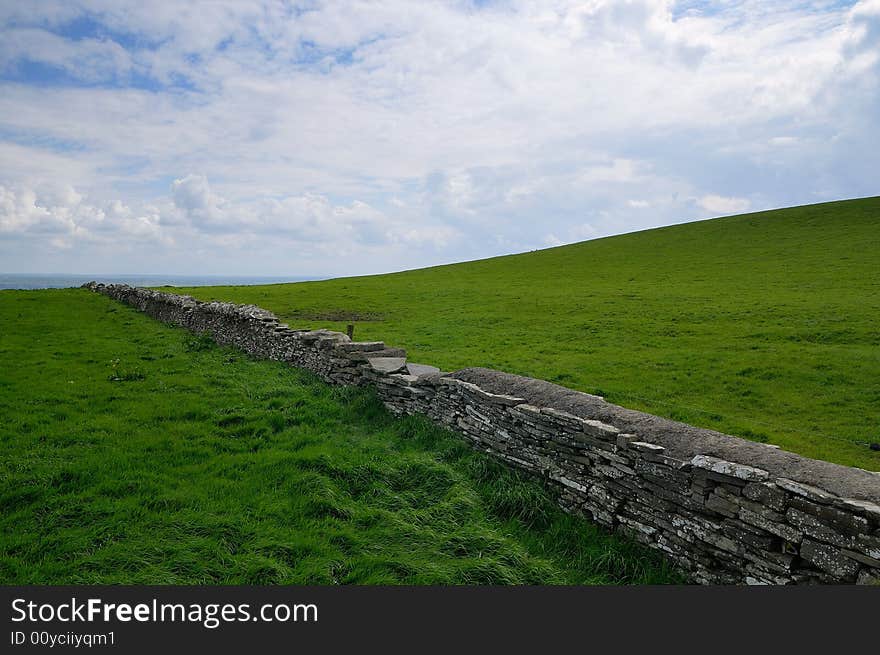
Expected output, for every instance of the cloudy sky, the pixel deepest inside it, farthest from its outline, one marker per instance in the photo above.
(313, 138)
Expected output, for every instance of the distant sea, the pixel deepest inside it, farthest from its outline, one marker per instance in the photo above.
(48, 281)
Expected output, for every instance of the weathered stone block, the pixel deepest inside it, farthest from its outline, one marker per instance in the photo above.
(524, 411)
(421, 369)
(724, 507)
(403, 379)
(870, 545)
(362, 356)
(767, 494)
(807, 491)
(750, 535)
(829, 559)
(360, 346)
(582, 441)
(812, 526)
(600, 430)
(562, 417)
(771, 524)
(387, 364)
(729, 469)
(571, 484)
(479, 416)
(860, 557)
(843, 521)
(645, 447)
(660, 458)
(861, 507)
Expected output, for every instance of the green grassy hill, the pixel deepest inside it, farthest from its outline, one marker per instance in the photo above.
(765, 325)
(132, 452)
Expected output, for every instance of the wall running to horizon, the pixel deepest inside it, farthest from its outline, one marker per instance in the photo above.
(725, 510)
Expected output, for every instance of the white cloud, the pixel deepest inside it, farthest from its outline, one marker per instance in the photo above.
(617, 171)
(722, 205)
(438, 236)
(87, 59)
(67, 218)
(193, 196)
(196, 219)
(784, 141)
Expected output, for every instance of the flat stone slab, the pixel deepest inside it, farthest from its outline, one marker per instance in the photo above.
(732, 469)
(421, 369)
(387, 364)
(360, 356)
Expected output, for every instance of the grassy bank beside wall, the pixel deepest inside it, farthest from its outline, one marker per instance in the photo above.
(133, 452)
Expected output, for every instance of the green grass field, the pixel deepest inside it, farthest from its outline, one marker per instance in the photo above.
(134, 452)
(765, 325)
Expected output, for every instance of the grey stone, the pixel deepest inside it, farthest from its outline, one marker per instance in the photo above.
(805, 490)
(869, 545)
(600, 430)
(749, 535)
(569, 483)
(361, 346)
(362, 356)
(767, 494)
(421, 369)
(861, 507)
(771, 525)
(812, 526)
(845, 522)
(860, 557)
(724, 507)
(482, 418)
(387, 364)
(645, 447)
(829, 559)
(730, 469)
(495, 398)
(404, 378)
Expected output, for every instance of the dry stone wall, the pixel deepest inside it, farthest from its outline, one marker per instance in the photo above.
(725, 510)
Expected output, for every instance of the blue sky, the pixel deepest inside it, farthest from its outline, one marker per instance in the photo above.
(342, 138)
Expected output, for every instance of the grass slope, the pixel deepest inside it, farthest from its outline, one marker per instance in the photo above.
(133, 452)
(763, 325)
